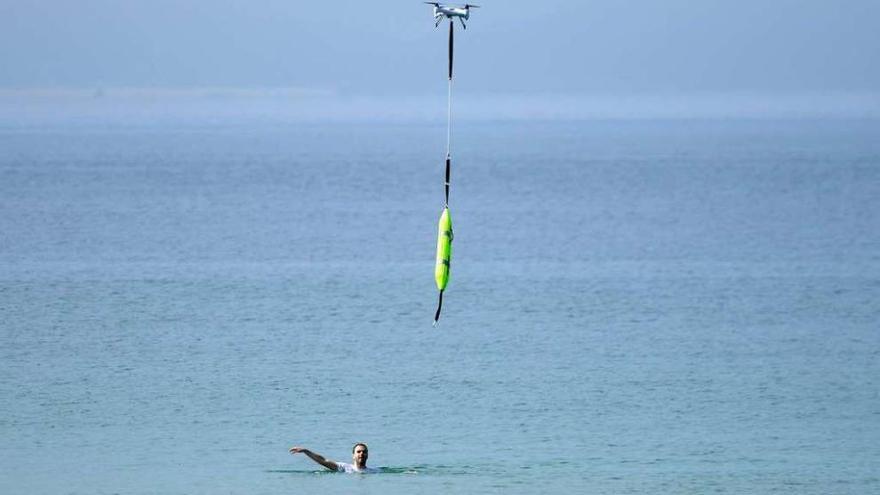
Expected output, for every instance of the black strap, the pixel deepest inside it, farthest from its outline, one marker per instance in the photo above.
(448, 167)
(450, 48)
(439, 305)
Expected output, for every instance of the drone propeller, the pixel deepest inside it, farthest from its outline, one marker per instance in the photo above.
(467, 5)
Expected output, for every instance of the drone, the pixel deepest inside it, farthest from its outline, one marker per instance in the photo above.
(450, 11)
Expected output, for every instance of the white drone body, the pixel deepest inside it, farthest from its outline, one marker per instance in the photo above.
(450, 11)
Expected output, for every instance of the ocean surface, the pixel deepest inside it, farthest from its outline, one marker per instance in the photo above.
(681, 306)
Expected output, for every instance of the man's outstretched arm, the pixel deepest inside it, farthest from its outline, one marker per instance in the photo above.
(316, 457)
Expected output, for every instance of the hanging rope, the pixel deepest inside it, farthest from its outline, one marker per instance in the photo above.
(449, 117)
(444, 235)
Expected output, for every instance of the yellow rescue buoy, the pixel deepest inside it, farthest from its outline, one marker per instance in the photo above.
(444, 255)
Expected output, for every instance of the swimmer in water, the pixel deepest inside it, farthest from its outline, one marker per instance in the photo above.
(359, 454)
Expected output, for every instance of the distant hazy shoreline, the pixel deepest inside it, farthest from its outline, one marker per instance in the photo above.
(38, 106)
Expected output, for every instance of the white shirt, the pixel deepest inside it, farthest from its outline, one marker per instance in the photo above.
(344, 467)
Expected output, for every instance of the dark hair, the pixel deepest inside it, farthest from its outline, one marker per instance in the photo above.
(356, 446)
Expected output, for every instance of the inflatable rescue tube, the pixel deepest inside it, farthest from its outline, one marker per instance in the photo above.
(444, 249)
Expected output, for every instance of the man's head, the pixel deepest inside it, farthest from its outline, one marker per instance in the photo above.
(359, 454)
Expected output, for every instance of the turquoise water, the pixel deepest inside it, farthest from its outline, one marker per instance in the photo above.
(634, 307)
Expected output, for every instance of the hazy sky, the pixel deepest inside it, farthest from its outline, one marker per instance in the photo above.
(557, 58)
(391, 46)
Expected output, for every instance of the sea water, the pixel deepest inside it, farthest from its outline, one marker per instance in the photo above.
(634, 307)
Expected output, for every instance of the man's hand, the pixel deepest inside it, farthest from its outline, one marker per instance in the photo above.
(298, 450)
